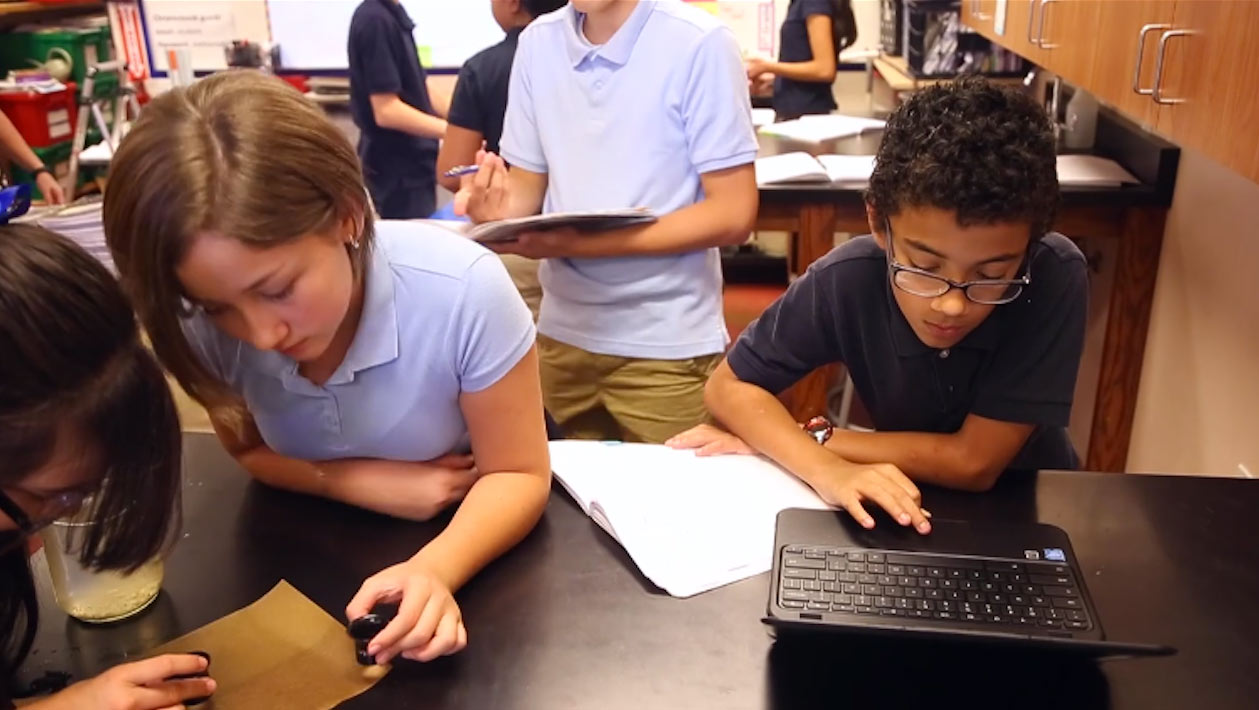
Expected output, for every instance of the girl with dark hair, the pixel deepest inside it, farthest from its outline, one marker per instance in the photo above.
(813, 34)
(86, 420)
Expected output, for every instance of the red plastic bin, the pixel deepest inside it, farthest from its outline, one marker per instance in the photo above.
(42, 119)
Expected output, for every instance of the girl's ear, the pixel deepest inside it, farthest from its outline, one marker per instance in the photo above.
(351, 229)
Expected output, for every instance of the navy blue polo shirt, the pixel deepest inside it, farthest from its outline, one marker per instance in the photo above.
(384, 60)
(480, 99)
(796, 98)
(1019, 365)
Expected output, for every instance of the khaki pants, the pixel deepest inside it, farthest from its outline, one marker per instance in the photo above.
(595, 396)
(524, 274)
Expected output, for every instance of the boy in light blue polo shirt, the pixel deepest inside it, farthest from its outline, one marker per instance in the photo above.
(612, 104)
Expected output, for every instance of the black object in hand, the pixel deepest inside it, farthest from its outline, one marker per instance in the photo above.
(189, 676)
(364, 629)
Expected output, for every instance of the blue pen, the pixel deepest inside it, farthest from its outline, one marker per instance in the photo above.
(461, 170)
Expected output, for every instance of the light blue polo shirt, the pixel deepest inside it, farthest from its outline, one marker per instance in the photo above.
(631, 123)
(440, 317)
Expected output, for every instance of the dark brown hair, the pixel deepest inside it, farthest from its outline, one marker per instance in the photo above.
(240, 154)
(76, 374)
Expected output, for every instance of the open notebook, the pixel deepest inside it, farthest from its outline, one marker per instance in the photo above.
(1092, 170)
(799, 166)
(824, 127)
(690, 523)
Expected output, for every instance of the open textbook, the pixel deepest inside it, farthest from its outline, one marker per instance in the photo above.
(823, 127)
(690, 523)
(801, 167)
(504, 230)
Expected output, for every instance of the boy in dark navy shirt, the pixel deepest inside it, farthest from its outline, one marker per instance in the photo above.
(960, 319)
(480, 99)
(400, 121)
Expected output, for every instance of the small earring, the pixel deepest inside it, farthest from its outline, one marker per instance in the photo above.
(354, 242)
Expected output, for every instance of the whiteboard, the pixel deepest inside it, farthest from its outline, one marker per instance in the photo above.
(312, 34)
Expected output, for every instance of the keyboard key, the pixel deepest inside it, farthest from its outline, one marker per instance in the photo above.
(871, 589)
(850, 588)
(856, 557)
(791, 583)
(906, 581)
(948, 584)
(1058, 579)
(820, 597)
(816, 556)
(989, 587)
(971, 617)
(913, 592)
(934, 593)
(887, 580)
(842, 599)
(974, 597)
(893, 591)
(892, 612)
(1011, 588)
(975, 575)
(1002, 566)
(883, 602)
(1059, 569)
(918, 614)
(1054, 614)
(936, 572)
(830, 586)
(924, 605)
(1031, 589)
(944, 616)
(1077, 616)
(968, 608)
(867, 610)
(826, 576)
(946, 605)
(789, 604)
(794, 549)
(1076, 625)
(875, 568)
(803, 562)
(1032, 612)
(1064, 603)
(794, 595)
(1060, 592)
(915, 571)
(1039, 601)
(954, 594)
(811, 585)
(969, 585)
(874, 557)
(1019, 599)
(867, 579)
(927, 583)
(855, 566)
(896, 569)
(1051, 623)
(997, 598)
(836, 564)
(847, 577)
(955, 573)
(795, 573)
(862, 600)
(819, 606)
(996, 577)
(902, 603)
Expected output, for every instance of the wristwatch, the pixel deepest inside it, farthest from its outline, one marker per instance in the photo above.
(41, 169)
(820, 428)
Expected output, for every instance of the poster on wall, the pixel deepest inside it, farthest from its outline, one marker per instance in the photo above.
(203, 27)
(752, 22)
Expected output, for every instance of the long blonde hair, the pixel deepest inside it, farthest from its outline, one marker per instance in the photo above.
(241, 154)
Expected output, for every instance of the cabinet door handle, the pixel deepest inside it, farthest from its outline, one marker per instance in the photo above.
(1158, 67)
(1136, 73)
(1040, 32)
(1031, 21)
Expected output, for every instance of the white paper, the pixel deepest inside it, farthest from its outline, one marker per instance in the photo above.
(816, 129)
(789, 167)
(762, 117)
(848, 169)
(690, 523)
(1092, 170)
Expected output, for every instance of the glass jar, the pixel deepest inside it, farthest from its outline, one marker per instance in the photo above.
(95, 596)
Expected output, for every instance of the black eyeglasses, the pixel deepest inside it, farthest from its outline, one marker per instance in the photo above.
(49, 509)
(989, 292)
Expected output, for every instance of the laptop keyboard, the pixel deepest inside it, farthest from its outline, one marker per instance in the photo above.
(1016, 595)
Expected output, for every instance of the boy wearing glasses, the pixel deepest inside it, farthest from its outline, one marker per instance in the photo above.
(960, 319)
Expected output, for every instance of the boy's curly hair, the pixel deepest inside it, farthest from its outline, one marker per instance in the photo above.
(984, 151)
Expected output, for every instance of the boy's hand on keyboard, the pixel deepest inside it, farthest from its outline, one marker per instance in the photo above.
(708, 440)
(849, 485)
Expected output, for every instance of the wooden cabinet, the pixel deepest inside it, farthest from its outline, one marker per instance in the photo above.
(1205, 97)
(1207, 94)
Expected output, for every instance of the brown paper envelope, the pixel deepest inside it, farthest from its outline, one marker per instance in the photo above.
(278, 653)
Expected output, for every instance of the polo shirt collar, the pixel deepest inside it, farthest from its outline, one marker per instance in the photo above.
(399, 13)
(617, 49)
(984, 337)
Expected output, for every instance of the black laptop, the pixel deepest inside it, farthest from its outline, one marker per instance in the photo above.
(994, 583)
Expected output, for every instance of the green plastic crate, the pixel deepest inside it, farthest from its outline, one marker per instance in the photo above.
(17, 49)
